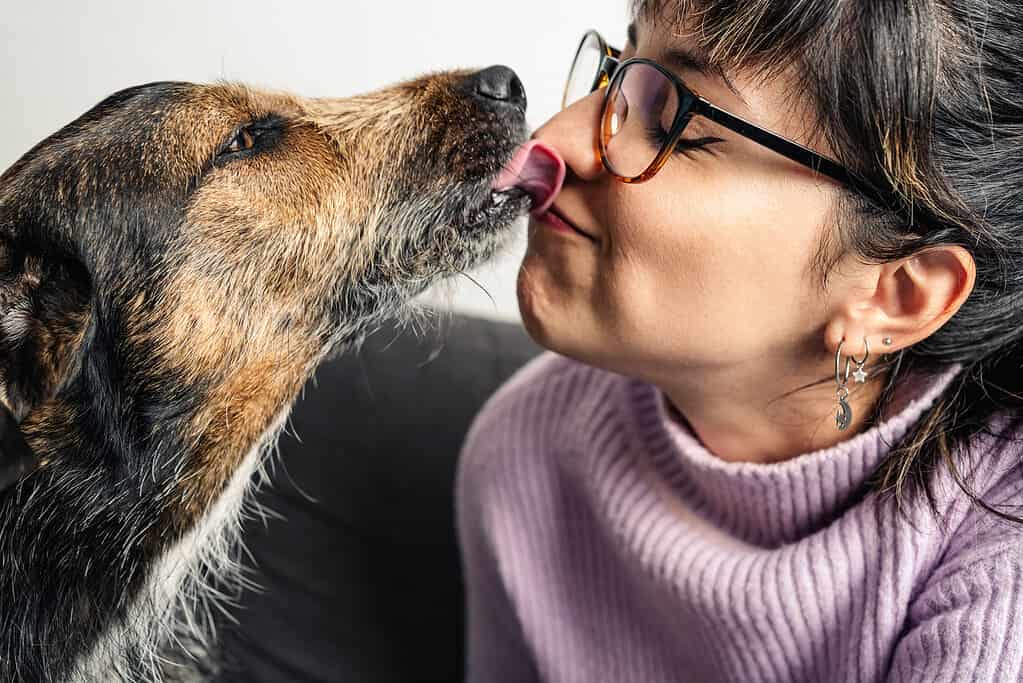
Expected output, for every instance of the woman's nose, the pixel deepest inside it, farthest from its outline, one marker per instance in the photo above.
(573, 132)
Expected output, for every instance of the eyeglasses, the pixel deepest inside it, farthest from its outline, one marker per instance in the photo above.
(646, 108)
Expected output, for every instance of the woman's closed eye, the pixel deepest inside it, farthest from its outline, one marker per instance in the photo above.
(659, 137)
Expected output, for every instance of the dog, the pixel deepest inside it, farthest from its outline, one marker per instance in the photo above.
(173, 266)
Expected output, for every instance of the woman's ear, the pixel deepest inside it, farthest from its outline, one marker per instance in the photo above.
(909, 301)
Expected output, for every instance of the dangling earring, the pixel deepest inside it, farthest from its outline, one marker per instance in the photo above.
(861, 375)
(844, 414)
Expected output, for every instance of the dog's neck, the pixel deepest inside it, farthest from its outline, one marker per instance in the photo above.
(176, 604)
(96, 569)
(127, 564)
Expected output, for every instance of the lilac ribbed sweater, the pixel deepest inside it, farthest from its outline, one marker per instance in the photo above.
(603, 544)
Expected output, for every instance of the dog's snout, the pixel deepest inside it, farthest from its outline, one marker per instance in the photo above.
(499, 86)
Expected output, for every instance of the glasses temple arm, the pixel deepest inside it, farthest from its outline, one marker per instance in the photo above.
(802, 155)
(787, 148)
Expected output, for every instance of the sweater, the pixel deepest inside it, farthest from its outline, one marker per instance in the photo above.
(602, 543)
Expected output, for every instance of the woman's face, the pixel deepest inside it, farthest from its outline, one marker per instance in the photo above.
(708, 265)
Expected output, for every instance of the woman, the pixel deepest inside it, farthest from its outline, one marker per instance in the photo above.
(776, 440)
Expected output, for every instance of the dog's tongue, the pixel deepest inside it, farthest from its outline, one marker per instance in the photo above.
(538, 170)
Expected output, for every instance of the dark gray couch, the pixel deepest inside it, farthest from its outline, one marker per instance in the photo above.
(361, 579)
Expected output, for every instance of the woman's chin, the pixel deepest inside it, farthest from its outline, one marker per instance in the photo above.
(530, 307)
(547, 311)
(549, 319)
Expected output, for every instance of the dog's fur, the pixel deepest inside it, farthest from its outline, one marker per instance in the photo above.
(162, 301)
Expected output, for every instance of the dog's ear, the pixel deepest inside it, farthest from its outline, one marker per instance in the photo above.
(16, 457)
(44, 313)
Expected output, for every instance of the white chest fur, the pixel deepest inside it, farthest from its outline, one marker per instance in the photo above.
(174, 609)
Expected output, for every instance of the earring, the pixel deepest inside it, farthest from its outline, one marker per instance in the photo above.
(861, 374)
(887, 341)
(844, 414)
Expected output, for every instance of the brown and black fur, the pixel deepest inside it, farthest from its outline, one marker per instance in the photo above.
(162, 302)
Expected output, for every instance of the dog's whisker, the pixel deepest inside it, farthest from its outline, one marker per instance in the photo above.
(480, 286)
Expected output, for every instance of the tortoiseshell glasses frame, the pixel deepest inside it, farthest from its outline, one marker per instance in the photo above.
(611, 73)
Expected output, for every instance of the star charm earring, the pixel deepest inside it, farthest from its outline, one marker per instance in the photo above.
(861, 374)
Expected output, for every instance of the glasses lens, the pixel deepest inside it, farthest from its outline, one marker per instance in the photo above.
(642, 105)
(584, 70)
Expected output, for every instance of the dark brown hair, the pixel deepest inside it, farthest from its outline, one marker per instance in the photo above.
(922, 97)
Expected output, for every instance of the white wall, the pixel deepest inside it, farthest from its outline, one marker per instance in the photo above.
(59, 57)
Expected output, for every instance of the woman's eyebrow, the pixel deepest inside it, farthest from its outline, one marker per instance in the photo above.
(681, 59)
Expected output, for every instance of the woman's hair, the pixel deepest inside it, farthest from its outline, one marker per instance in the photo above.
(923, 97)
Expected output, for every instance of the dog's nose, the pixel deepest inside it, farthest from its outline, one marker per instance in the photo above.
(499, 85)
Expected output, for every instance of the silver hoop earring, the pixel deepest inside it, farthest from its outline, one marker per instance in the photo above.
(861, 374)
(844, 414)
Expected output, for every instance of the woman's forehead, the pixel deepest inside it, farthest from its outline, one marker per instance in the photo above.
(771, 98)
(675, 25)
(672, 15)
(764, 36)
(640, 8)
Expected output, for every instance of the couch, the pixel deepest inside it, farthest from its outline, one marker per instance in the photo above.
(358, 567)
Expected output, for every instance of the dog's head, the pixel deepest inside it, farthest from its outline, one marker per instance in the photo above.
(175, 262)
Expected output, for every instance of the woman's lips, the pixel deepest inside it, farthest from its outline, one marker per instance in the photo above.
(538, 170)
(556, 220)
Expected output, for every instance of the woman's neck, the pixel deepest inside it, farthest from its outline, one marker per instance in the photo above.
(771, 419)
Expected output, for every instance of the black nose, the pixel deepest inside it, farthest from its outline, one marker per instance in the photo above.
(499, 85)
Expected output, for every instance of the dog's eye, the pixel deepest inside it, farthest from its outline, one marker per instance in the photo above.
(255, 137)
(242, 142)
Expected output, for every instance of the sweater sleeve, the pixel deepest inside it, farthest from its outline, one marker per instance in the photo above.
(967, 622)
(495, 645)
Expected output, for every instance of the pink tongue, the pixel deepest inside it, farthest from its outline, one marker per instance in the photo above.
(538, 170)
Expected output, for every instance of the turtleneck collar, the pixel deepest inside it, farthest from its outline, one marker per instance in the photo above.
(772, 504)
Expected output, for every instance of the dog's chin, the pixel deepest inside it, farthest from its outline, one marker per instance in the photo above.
(498, 212)
(483, 232)
(475, 227)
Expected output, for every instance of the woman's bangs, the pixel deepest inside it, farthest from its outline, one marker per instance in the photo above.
(765, 36)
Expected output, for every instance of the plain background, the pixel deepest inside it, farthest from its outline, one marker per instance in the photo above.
(58, 58)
